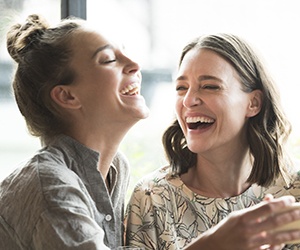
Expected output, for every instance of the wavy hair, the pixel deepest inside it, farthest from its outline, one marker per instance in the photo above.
(266, 132)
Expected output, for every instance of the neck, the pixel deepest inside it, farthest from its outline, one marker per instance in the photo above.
(219, 179)
(104, 141)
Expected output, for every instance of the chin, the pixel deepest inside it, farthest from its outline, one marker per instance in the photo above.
(195, 147)
(142, 112)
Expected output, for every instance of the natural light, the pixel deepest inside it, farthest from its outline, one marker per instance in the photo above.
(154, 32)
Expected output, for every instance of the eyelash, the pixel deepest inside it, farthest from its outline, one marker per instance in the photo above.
(208, 87)
(212, 87)
(180, 88)
(110, 61)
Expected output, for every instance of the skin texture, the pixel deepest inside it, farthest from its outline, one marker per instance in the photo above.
(211, 90)
(209, 87)
(98, 112)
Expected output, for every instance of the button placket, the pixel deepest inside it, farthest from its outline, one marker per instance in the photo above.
(108, 217)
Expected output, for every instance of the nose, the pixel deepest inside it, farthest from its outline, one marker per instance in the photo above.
(131, 66)
(192, 98)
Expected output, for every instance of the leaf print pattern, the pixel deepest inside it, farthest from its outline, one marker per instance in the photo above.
(165, 214)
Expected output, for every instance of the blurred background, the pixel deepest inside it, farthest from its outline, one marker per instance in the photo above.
(154, 32)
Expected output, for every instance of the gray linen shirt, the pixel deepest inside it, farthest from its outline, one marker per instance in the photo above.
(59, 200)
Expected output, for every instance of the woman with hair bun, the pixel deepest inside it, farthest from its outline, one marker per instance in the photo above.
(80, 94)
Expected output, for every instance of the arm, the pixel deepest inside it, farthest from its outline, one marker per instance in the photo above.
(68, 228)
(251, 228)
(67, 216)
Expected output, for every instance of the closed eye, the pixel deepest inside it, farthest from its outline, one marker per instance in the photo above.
(110, 61)
(211, 87)
(180, 87)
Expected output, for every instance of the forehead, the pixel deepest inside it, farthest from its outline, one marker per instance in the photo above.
(202, 55)
(85, 39)
(202, 59)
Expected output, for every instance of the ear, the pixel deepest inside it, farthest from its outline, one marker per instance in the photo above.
(255, 104)
(64, 97)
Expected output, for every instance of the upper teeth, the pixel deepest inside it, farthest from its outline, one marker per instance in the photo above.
(199, 119)
(130, 87)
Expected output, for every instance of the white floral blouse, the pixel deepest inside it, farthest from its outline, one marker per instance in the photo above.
(163, 213)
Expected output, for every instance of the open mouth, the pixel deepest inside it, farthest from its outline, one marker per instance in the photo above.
(132, 89)
(199, 122)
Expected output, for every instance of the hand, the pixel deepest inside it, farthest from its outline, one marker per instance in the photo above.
(252, 228)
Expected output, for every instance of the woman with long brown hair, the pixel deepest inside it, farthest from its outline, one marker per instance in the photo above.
(228, 174)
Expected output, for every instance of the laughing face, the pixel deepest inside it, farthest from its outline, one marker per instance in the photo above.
(107, 82)
(211, 107)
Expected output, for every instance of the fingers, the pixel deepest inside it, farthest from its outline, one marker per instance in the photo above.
(285, 236)
(259, 222)
(278, 247)
(268, 247)
(268, 197)
(275, 220)
(261, 211)
(253, 227)
(275, 240)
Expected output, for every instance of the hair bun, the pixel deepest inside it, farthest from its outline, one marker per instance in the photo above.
(21, 36)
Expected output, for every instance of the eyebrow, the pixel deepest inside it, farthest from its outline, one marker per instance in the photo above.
(107, 46)
(200, 78)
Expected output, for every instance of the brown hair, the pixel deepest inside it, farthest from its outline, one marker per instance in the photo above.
(267, 131)
(43, 56)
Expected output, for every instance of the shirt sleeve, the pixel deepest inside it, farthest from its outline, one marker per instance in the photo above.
(69, 219)
(67, 228)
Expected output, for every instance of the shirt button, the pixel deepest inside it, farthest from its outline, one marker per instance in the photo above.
(108, 217)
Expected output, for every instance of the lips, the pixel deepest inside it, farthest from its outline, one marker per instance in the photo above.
(201, 122)
(132, 89)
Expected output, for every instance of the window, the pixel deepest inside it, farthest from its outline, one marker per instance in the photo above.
(16, 145)
(154, 32)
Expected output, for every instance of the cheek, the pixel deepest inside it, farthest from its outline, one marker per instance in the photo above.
(178, 113)
(178, 105)
(108, 76)
(236, 119)
(102, 76)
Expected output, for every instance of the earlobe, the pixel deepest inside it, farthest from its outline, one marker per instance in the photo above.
(63, 97)
(255, 103)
